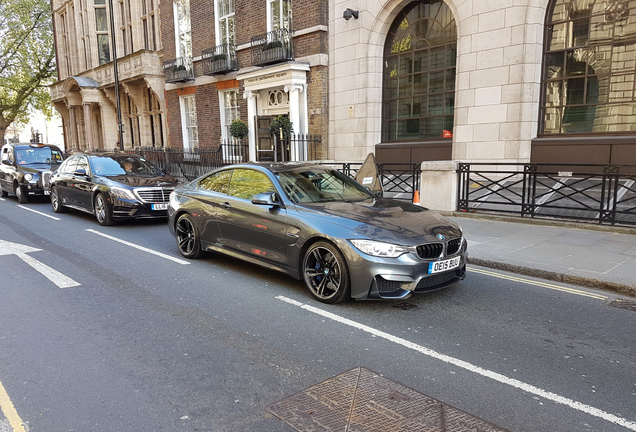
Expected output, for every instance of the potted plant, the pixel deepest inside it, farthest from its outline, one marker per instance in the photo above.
(219, 57)
(281, 127)
(272, 45)
(238, 129)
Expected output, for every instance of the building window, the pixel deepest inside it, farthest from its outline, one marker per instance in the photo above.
(419, 73)
(148, 23)
(131, 116)
(101, 27)
(224, 10)
(229, 111)
(278, 14)
(65, 49)
(189, 122)
(126, 26)
(156, 124)
(183, 30)
(589, 67)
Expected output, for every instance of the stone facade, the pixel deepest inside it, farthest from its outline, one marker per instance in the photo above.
(85, 92)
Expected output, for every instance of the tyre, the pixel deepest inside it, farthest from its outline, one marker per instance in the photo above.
(56, 203)
(22, 198)
(187, 235)
(103, 211)
(325, 273)
(3, 193)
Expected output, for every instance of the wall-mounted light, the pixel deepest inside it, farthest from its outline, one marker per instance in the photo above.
(348, 13)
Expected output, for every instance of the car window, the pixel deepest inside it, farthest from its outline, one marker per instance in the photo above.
(5, 154)
(69, 166)
(82, 163)
(34, 155)
(56, 156)
(318, 185)
(246, 183)
(217, 182)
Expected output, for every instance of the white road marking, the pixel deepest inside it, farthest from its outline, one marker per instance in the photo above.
(62, 281)
(2, 199)
(150, 251)
(40, 213)
(469, 367)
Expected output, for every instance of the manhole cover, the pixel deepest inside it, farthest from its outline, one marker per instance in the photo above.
(362, 401)
(624, 304)
(405, 306)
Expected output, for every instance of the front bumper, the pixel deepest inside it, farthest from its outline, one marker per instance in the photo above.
(398, 278)
(33, 189)
(129, 209)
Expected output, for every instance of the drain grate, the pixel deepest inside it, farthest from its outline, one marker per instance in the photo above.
(624, 304)
(361, 400)
(405, 306)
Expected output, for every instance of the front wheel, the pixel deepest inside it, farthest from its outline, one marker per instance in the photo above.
(55, 201)
(19, 194)
(103, 211)
(187, 235)
(325, 273)
(3, 193)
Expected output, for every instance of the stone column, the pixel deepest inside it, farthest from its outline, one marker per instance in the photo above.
(73, 128)
(294, 115)
(251, 120)
(88, 125)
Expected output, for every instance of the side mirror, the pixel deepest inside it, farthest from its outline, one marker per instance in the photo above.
(7, 162)
(80, 173)
(267, 199)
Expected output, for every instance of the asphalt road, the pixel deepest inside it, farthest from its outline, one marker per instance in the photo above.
(129, 339)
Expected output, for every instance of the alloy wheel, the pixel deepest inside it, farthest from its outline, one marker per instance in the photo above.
(324, 274)
(187, 237)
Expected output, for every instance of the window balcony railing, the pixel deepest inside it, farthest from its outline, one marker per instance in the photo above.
(219, 60)
(273, 47)
(178, 70)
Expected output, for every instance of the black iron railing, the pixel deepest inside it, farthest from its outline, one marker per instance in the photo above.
(178, 70)
(273, 47)
(219, 60)
(604, 194)
(188, 165)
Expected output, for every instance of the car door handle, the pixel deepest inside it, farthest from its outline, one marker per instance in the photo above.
(226, 205)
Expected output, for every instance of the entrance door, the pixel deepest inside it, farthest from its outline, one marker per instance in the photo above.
(265, 145)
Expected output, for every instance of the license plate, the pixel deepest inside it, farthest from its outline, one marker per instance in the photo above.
(47, 192)
(440, 266)
(159, 206)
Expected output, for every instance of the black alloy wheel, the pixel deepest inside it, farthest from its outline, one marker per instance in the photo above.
(3, 193)
(326, 274)
(103, 211)
(19, 194)
(55, 201)
(187, 236)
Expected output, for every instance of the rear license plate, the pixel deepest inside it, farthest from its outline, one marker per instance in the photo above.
(440, 266)
(159, 206)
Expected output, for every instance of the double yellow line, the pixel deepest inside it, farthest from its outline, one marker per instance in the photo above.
(539, 284)
(7, 408)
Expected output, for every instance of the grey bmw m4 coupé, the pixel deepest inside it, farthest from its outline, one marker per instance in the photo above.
(320, 226)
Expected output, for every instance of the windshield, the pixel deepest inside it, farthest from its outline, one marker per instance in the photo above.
(37, 155)
(108, 166)
(319, 185)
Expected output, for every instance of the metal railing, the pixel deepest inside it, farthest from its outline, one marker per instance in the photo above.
(188, 165)
(219, 60)
(273, 47)
(178, 70)
(308, 146)
(604, 194)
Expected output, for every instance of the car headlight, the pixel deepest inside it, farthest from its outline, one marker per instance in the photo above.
(28, 177)
(122, 193)
(379, 249)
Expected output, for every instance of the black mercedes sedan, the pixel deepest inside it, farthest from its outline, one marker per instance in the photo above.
(318, 225)
(25, 169)
(111, 186)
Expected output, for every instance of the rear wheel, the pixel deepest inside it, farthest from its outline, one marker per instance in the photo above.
(188, 240)
(55, 201)
(325, 273)
(3, 193)
(103, 211)
(19, 194)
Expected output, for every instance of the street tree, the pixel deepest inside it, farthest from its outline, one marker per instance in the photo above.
(27, 60)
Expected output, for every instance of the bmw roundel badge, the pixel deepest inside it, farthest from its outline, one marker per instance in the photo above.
(441, 237)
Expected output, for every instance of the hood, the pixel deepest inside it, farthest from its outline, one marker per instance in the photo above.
(133, 181)
(385, 220)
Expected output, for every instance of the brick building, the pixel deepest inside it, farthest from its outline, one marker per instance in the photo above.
(245, 59)
(85, 92)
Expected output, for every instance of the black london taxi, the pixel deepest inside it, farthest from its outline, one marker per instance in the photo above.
(25, 169)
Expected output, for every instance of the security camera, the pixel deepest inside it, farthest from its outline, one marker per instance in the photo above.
(348, 13)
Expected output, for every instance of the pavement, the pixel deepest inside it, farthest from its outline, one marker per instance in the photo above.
(594, 256)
